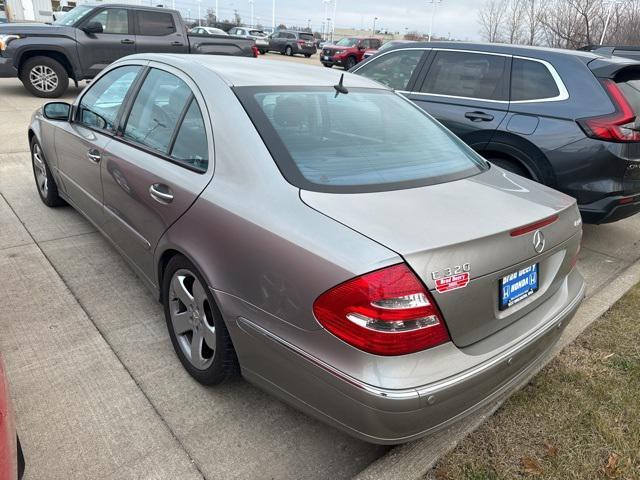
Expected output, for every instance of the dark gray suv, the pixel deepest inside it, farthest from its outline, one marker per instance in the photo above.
(290, 42)
(564, 118)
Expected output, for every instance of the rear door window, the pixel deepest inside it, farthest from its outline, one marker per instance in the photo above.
(366, 140)
(468, 75)
(393, 69)
(531, 80)
(190, 145)
(155, 24)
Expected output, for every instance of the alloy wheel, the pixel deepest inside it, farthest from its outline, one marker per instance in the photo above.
(43, 78)
(192, 319)
(40, 170)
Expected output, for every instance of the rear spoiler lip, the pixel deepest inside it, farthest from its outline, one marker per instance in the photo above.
(610, 67)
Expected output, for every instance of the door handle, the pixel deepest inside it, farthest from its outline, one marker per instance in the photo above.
(177, 44)
(127, 41)
(94, 156)
(161, 193)
(478, 116)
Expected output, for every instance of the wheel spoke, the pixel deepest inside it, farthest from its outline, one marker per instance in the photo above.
(196, 348)
(209, 334)
(180, 290)
(181, 323)
(199, 295)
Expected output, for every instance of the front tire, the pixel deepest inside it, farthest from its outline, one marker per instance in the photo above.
(198, 333)
(45, 183)
(350, 63)
(307, 55)
(44, 77)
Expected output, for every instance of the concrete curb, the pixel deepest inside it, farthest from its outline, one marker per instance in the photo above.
(414, 460)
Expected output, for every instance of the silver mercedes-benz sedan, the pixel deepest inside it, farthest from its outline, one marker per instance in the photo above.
(318, 233)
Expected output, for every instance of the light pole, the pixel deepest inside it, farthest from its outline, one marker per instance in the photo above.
(326, 15)
(273, 15)
(606, 23)
(333, 26)
(217, 19)
(251, 2)
(199, 16)
(434, 4)
(373, 31)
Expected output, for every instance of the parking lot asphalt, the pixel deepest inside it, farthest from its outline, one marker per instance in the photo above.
(99, 392)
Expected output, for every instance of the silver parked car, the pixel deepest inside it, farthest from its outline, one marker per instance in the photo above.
(320, 232)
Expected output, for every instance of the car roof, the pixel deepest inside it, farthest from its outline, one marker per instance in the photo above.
(129, 6)
(245, 71)
(507, 49)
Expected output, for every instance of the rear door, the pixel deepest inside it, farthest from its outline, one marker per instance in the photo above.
(158, 165)
(158, 32)
(467, 91)
(97, 50)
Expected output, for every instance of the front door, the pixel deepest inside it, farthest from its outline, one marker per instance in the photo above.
(97, 50)
(468, 92)
(80, 144)
(156, 169)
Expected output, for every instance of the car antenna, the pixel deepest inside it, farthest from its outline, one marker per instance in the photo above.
(340, 88)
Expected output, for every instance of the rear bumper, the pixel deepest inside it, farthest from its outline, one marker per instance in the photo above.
(7, 69)
(610, 209)
(385, 416)
(332, 61)
(304, 50)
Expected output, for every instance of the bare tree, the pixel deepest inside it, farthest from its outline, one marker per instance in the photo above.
(532, 13)
(514, 21)
(491, 17)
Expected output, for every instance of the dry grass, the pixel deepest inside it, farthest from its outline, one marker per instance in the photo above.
(578, 419)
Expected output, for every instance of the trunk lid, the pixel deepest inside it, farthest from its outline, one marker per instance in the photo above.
(463, 226)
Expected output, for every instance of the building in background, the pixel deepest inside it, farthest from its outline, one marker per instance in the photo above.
(29, 10)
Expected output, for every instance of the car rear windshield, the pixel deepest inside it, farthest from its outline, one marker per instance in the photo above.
(365, 140)
(307, 37)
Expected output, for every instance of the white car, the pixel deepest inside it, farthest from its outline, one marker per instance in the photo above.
(261, 38)
(207, 31)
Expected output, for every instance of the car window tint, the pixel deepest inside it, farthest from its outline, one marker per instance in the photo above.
(155, 23)
(393, 69)
(291, 35)
(531, 80)
(101, 103)
(306, 37)
(471, 75)
(113, 20)
(157, 110)
(191, 146)
(363, 138)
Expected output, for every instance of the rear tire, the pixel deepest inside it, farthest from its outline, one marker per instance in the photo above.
(289, 51)
(44, 77)
(350, 63)
(198, 333)
(512, 166)
(45, 183)
(21, 463)
(307, 55)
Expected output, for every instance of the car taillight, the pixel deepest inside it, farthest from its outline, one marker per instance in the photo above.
(618, 126)
(256, 52)
(301, 42)
(385, 312)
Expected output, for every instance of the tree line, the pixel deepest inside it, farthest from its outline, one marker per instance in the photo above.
(561, 23)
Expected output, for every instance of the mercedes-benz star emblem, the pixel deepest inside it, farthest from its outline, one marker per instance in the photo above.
(538, 241)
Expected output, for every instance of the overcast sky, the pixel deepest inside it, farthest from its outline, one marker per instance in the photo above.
(455, 17)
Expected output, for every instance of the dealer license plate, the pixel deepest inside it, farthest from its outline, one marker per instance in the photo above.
(518, 286)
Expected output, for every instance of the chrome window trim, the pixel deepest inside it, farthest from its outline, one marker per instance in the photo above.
(563, 95)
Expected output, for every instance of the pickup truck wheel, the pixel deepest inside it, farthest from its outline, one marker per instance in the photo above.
(289, 51)
(350, 63)
(44, 77)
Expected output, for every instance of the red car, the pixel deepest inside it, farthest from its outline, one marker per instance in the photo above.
(11, 458)
(348, 51)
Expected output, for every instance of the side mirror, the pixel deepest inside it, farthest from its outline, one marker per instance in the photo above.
(57, 111)
(93, 27)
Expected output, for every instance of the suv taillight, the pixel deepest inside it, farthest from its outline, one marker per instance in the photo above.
(385, 312)
(618, 126)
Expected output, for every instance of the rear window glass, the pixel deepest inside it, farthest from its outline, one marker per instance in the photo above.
(531, 81)
(307, 37)
(366, 140)
(631, 91)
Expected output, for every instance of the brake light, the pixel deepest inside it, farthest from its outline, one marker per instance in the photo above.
(256, 52)
(301, 42)
(385, 312)
(614, 127)
(533, 226)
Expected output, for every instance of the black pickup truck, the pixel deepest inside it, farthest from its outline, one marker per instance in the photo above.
(89, 37)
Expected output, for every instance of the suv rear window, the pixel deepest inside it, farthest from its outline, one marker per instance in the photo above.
(366, 140)
(531, 80)
(307, 37)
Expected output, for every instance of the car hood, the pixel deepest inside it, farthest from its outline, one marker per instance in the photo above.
(39, 29)
(465, 227)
